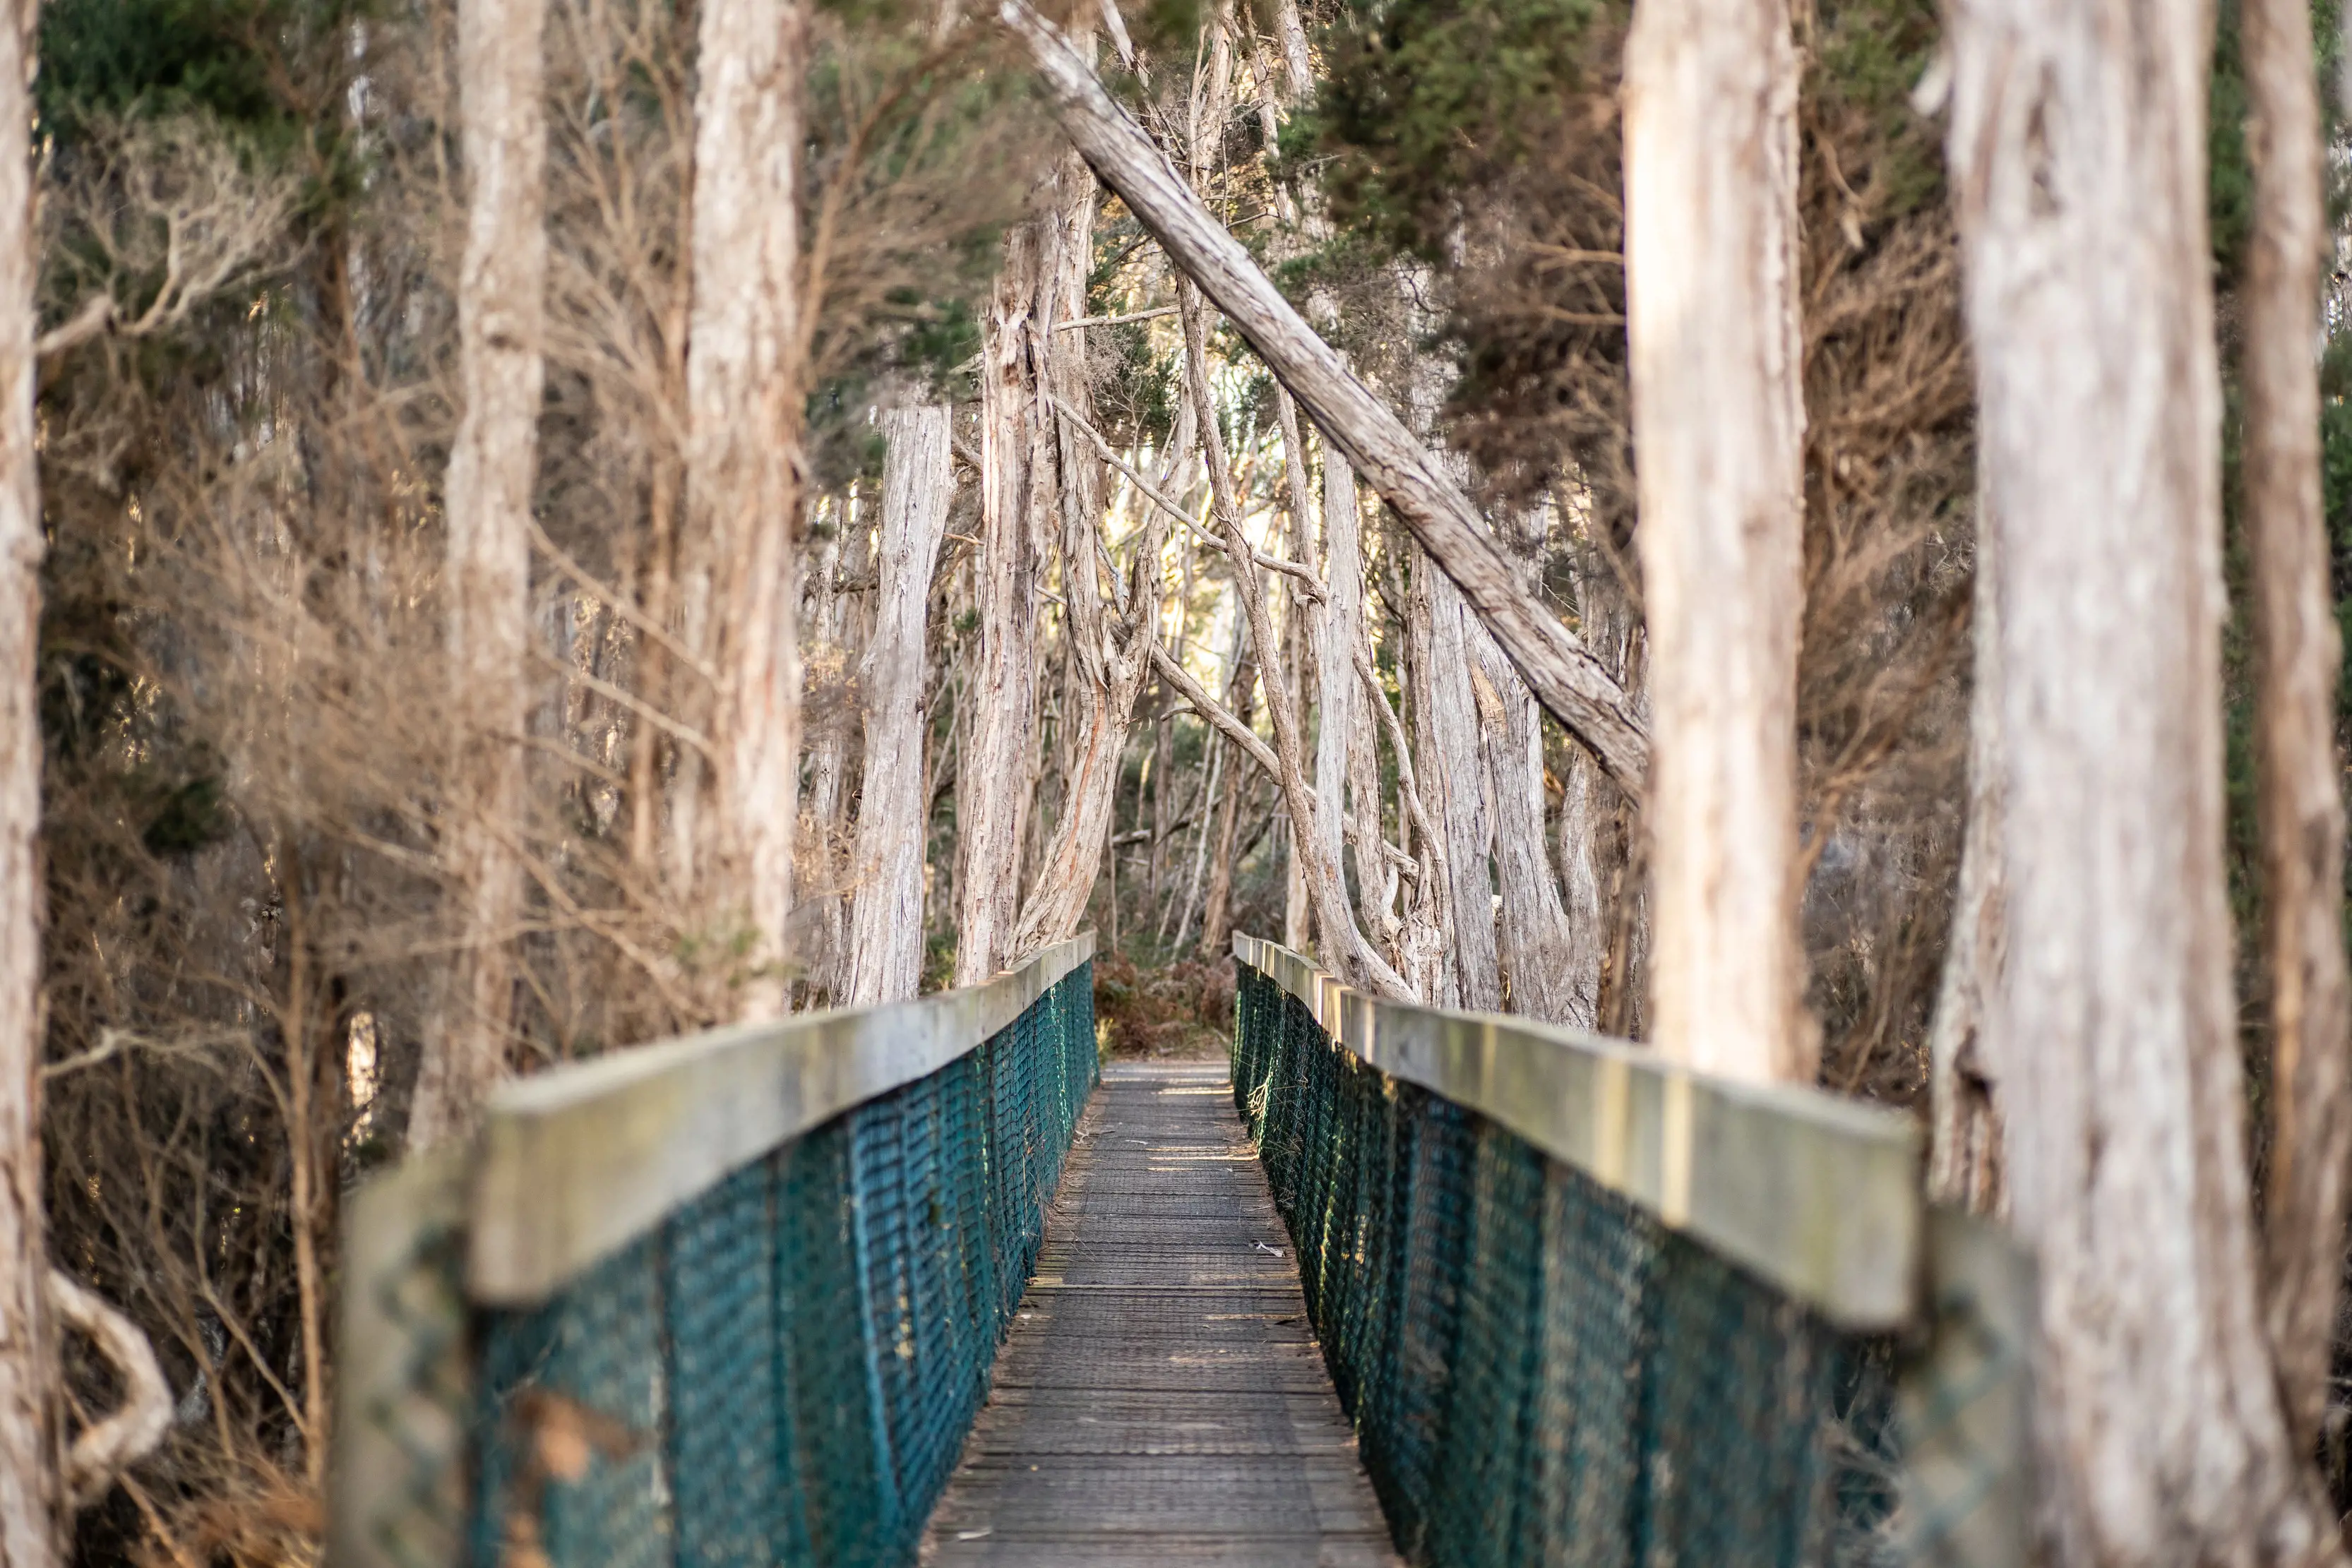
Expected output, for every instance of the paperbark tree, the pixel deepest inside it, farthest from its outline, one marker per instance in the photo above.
(743, 462)
(1446, 734)
(993, 793)
(1217, 913)
(1110, 644)
(1710, 98)
(2297, 652)
(886, 938)
(1964, 1163)
(2078, 154)
(1564, 675)
(1533, 936)
(1344, 946)
(493, 469)
(29, 1479)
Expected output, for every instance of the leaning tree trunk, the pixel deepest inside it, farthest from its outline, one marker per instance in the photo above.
(493, 468)
(28, 1482)
(2078, 142)
(886, 933)
(1711, 279)
(993, 781)
(744, 469)
(2297, 654)
(1557, 666)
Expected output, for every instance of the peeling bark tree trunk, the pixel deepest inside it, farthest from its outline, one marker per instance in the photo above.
(1216, 913)
(2297, 654)
(1344, 946)
(1110, 646)
(743, 462)
(28, 1478)
(1454, 788)
(1710, 101)
(1557, 666)
(1538, 950)
(1340, 735)
(493, 469)
(2078, 142)
(1964, 1158)
(992, 785)
(886, 939)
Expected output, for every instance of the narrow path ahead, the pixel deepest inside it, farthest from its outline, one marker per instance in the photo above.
(1161, 1399)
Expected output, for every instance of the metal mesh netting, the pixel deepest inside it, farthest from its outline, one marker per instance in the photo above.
(783, 1371)
(1538, 1371)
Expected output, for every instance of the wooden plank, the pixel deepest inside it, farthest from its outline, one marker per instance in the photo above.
(1819, 1195)
(1161, 1397)
(576, 1162)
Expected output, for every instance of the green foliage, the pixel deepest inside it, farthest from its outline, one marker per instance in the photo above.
(226, 59)
(1426, 99)
(1868, 56)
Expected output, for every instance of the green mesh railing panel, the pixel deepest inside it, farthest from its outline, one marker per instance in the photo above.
(1538, 1371)
(783, 1371)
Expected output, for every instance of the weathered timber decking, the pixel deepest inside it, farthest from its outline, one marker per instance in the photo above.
(1161, 1398)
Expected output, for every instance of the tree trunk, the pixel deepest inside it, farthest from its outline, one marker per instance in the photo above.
(2078, 143)
(2297, 654)
(1453, 778)
(28, 1477)
(1710, 101)
(744, 463)
(1563, 674)
(1538, 949)
(993, 793)
(1343, 946)
(1110, 645)
(886, 940)
(493, 469)
(1216, 913)
(1964, 1083)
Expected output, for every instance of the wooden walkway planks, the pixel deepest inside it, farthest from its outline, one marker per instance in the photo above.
(1161, 1398)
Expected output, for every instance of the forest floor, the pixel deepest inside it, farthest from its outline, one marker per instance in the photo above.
(1181, 1011)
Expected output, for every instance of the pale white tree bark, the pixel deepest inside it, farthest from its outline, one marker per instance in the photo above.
(2298, 651)
(2077, 146)
(1452, 777)
(29, 1474)
(493, 469)
(743, 470)
(1537, 944)
(886, 939)
(1963, 1165)
(1339, 736)
(1110, 644)
(1344, 946)
(1711, 104)
(993, 796)
(1557, 666)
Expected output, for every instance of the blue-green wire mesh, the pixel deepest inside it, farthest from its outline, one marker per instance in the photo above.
(1537, 1371)
(783, 1371)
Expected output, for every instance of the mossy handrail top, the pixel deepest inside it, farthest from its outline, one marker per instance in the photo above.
(571, 1164)
(1820, 1194)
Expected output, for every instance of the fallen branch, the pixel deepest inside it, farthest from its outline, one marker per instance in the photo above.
(1564, 675)
(108, 1447)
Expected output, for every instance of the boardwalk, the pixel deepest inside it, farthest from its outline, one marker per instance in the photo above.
(1161, 1399)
